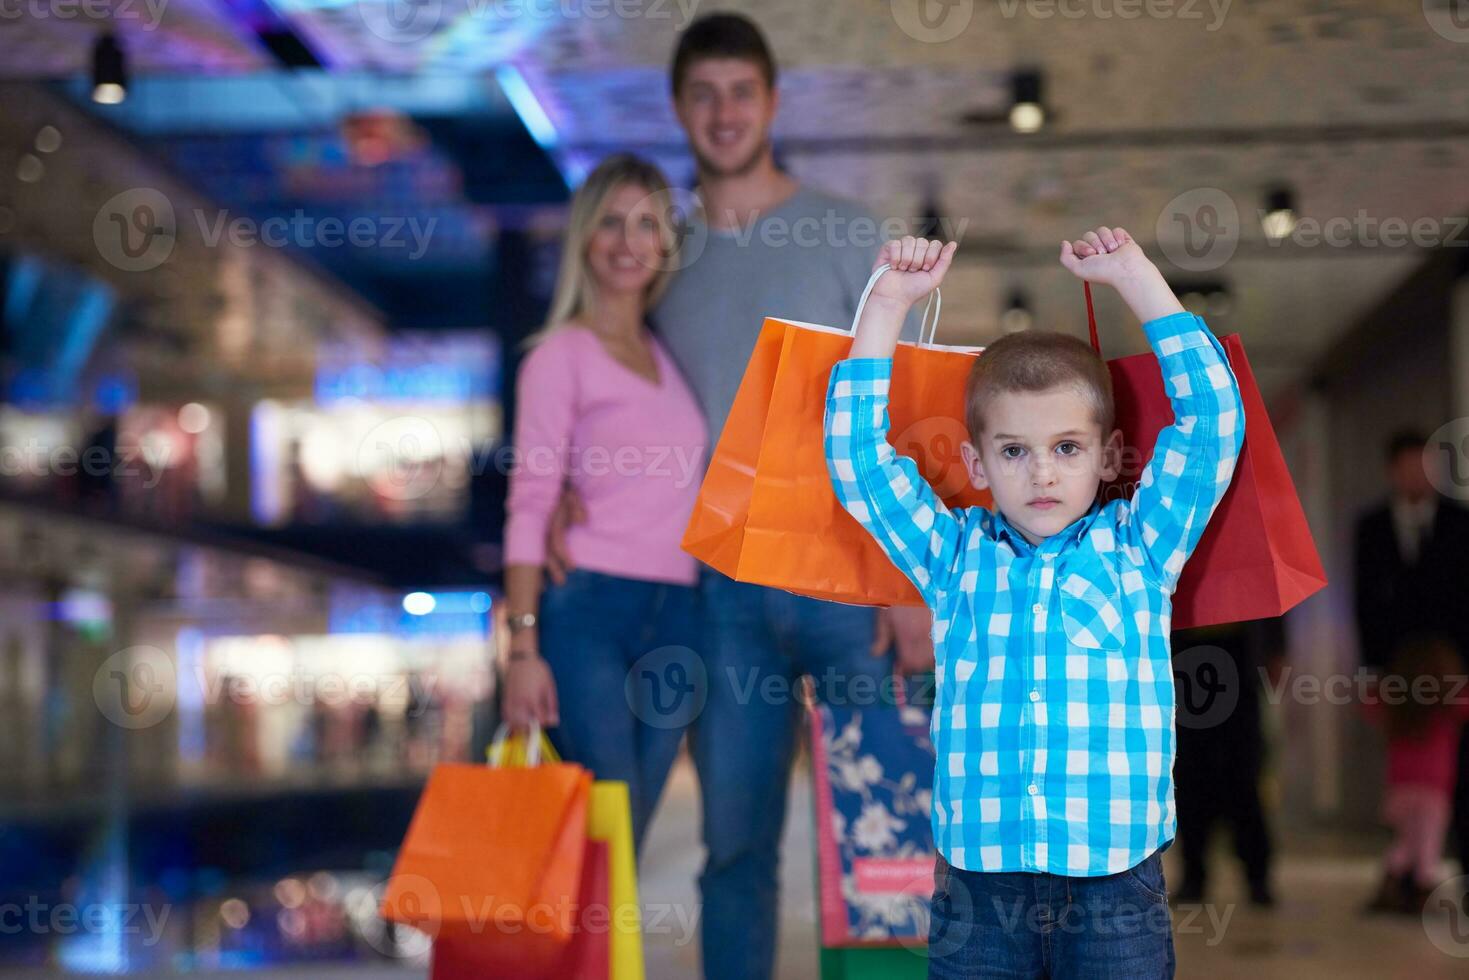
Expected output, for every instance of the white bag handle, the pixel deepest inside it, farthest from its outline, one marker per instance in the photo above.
(935, 303)
(532, 749)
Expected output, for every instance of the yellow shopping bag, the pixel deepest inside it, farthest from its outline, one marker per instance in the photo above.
(609, 818)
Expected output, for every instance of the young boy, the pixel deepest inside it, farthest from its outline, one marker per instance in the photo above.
(1053, 790)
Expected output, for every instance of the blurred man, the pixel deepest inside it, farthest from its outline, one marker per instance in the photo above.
(773, 246)
(1412, 561)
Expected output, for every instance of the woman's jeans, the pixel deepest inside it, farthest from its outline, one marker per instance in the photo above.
(1028, 926)
(621, 651)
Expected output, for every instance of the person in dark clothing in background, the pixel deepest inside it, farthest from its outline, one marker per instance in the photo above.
(1412, 560)
(1221, 748)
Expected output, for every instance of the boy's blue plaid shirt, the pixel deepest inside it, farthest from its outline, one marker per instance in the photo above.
(1054, 720)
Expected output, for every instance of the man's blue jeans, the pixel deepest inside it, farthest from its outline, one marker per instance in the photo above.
(1028, 926)
(610, 643)
(759, 641)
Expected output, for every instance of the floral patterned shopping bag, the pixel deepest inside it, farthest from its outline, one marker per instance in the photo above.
(873, 769)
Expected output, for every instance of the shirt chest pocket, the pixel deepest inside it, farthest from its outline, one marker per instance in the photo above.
(1091, 607)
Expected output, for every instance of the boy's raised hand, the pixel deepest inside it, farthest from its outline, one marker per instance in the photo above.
(1110, 257)
(1105, 256)
(918, 266)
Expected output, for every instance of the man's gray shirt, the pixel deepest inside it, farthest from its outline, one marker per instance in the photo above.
(806, 259)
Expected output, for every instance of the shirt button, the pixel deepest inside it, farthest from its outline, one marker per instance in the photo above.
(1035, 695)
(1047, 557)
(1037, 608)
(1032, 789)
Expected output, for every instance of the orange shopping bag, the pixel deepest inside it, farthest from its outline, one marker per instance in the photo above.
(766, 512)
(586, 957)
(494, 855)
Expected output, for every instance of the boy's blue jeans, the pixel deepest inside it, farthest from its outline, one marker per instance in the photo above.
(759, 642)
(601, 635)
(1013, 925)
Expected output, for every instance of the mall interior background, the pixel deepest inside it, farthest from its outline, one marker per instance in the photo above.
(308, 436)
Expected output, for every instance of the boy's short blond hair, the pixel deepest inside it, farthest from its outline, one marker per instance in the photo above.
(1038, 360)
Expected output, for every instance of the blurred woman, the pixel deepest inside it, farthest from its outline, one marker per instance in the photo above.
(605, 657)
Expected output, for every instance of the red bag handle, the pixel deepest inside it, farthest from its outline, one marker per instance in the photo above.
(1091, 317)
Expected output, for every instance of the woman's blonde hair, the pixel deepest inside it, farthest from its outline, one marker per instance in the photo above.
(575, 293)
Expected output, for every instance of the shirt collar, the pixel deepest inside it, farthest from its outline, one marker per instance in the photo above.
(1061, 540)
(1420, 513)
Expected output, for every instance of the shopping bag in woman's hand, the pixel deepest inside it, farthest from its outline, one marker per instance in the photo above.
(494, 854)
(587, 956)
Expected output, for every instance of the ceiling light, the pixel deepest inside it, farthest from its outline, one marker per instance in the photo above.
(1027, 113)
(1017, 315)
(1280, 214)
(109, 71)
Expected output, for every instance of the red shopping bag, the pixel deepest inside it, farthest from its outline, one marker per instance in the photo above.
(1256, 559)
(481, 953)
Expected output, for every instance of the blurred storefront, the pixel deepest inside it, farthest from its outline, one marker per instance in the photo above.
(224, 736)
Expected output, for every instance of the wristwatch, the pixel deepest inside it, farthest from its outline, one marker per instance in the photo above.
(522, 622)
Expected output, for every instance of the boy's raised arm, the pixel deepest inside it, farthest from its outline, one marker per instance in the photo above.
(881, 489)
(1194, 458)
